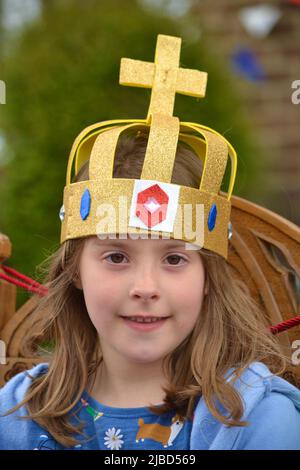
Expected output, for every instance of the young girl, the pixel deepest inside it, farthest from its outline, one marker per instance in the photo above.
(106, 370)
(154, 345)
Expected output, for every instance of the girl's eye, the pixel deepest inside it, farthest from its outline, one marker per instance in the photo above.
(117, 258)
(174, 257)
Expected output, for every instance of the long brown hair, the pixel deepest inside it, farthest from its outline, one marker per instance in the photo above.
(231, 330)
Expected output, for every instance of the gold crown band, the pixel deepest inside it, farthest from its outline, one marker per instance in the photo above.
(108, 194)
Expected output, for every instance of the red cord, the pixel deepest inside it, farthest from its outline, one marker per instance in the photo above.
(29, 284)
(285, 325)
(33, 286)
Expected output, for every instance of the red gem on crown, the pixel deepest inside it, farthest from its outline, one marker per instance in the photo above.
(152, 204)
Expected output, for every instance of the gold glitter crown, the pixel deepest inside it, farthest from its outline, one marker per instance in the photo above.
(105, 206)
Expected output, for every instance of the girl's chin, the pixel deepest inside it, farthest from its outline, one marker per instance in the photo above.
(142, 358)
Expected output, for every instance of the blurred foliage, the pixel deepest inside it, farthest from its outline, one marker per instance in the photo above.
(62, 75)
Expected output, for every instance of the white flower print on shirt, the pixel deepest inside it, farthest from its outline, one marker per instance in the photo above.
(113, 439)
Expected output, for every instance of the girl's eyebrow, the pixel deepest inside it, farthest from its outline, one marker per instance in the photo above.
(125, 246)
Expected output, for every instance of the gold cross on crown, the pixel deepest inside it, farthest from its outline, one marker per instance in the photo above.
(164, 76)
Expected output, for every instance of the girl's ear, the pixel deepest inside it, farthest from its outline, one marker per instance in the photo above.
(77, 281)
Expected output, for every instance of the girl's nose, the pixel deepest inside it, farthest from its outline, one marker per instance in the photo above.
(145, 287)
(144, 294)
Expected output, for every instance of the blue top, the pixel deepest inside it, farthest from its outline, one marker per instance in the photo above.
(271, 406)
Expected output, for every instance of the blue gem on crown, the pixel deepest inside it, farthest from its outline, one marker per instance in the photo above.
(85, 204)
(212, 217)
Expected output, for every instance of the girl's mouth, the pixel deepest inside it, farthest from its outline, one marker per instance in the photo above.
(142, 324)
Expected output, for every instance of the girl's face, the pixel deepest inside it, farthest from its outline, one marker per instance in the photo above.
(147, 278)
